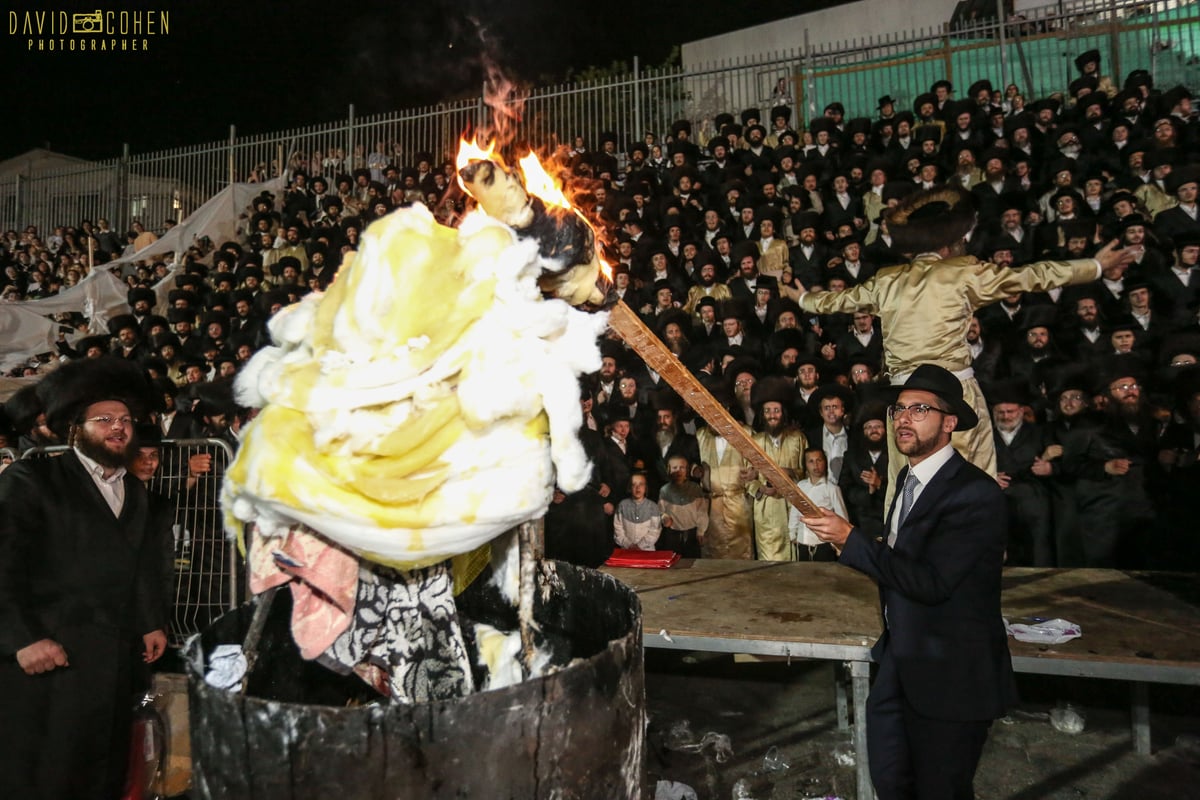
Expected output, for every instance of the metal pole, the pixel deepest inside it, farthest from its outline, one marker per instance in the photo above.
(1114, 39)
(1141, 718)
(809, 88)
(637, 99)
(350, 134)
(121, 218)
(232, 164)
(1001, 19)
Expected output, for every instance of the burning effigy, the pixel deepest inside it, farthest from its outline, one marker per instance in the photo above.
(424, 405)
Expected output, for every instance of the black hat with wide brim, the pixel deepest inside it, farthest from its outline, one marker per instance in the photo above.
(943, 383)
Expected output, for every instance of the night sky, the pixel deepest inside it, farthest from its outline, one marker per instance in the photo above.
(270, 65)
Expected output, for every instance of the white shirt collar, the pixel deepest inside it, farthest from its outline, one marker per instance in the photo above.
(96, 470)
(1008, 436)
(930, 466)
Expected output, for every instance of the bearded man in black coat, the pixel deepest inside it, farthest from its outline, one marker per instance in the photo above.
(79, 592)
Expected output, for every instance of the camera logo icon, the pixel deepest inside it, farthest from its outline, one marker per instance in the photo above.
(88, 23)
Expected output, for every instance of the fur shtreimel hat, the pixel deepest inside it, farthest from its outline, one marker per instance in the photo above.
(69, 390)
(929, 220)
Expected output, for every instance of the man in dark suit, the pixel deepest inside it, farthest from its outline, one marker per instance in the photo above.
(944, 668)
(80, 592)
(864, 481)
(1182, 219)
(1023, 474)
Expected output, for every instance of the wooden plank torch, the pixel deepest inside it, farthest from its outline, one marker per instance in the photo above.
(623, 320)
(564, 234)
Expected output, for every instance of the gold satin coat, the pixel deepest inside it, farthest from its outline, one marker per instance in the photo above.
(925, 308)
(771, 513)
(730, 518)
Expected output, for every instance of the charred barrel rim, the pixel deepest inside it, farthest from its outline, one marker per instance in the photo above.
(575, 733)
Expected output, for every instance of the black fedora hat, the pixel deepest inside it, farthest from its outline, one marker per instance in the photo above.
(943, 383)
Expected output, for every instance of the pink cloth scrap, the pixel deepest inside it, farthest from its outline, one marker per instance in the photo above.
(323, 579)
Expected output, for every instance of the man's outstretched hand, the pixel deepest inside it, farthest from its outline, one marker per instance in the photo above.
(1111, 258)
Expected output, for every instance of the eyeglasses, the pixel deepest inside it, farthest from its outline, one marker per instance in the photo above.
(917, 412)
(125, 422)
(1072, 397)
(1125, 387)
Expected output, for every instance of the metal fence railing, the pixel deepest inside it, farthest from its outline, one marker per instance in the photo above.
(1034, 50)
(207, 567)
(206, 560)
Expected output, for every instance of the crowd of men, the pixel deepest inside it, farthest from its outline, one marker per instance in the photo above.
(1094, 397)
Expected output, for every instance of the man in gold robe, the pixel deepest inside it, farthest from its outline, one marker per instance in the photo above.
(730, 517)
(785, 445)
(926, 305)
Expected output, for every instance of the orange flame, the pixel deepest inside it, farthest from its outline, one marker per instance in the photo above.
(539, 183)
(469, 151)
(537, 180)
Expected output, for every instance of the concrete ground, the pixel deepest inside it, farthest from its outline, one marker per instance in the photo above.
(775, 713)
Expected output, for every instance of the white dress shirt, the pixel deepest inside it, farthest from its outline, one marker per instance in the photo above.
(112, 487)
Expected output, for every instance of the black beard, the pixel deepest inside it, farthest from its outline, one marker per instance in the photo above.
(774, 430)
(101, 454)
(1129, 412)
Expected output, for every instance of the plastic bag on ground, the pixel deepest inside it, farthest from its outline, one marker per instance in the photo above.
(1065, 719)
(674, 790)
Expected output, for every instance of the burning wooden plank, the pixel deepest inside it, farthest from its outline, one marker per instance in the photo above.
(646, 344)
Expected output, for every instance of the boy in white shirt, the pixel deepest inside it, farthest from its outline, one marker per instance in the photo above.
(825, 494)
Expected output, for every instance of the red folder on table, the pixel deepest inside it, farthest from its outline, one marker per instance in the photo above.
(646, 559)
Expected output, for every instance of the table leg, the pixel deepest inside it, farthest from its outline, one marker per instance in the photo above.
(839, 692)
(860, 679)
(1141, 718)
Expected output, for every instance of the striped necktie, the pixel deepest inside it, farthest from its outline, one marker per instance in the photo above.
(911, 483)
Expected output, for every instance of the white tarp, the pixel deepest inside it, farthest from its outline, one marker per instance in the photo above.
(23, 334)
(217, 219)
(25, 330)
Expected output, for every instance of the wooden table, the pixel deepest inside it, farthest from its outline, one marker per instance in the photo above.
(1139, 627)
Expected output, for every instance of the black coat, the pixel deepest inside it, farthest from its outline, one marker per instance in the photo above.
(941, 588)
(809, 270)
(866, 508)
(577, 529)
(72, 572)
(1174, 222)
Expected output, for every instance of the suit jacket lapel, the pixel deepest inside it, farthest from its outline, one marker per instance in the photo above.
(900, 479)
(931, 495)
(133, 512)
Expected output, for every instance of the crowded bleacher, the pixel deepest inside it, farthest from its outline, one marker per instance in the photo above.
(1094, 390)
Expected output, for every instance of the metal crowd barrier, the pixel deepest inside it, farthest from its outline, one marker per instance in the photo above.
(206, 560)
